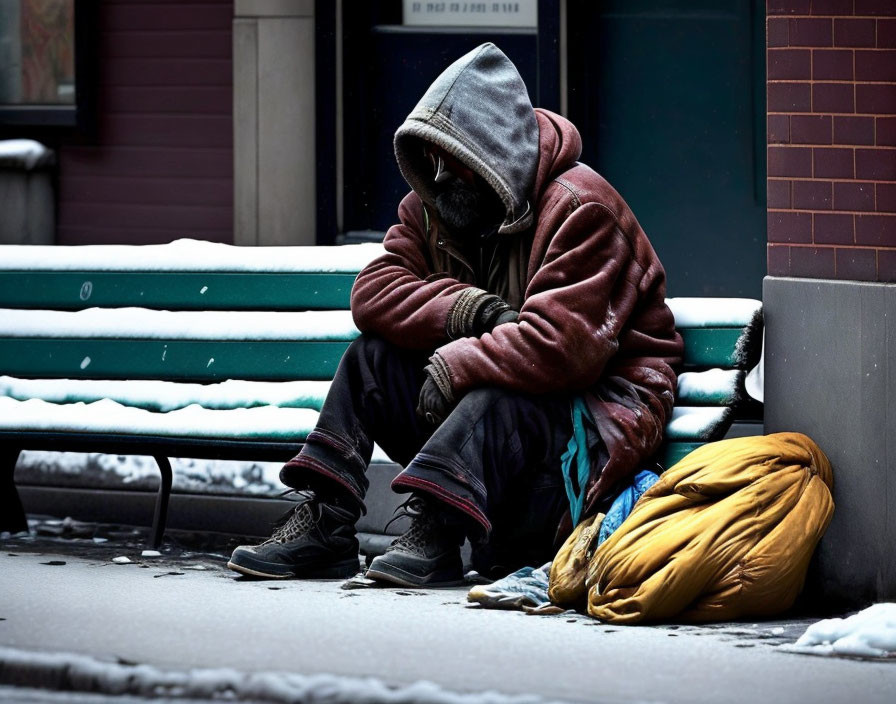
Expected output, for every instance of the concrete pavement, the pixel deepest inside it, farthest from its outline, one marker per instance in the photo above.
(164, 613)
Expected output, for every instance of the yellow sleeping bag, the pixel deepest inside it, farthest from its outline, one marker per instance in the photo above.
(726, 533)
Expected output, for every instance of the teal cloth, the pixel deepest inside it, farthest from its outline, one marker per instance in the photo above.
(577, 452)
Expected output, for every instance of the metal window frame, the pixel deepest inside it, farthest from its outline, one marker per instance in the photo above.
(36, 120)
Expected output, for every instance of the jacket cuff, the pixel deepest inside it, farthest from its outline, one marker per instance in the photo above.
(462, 314)
(438, 370)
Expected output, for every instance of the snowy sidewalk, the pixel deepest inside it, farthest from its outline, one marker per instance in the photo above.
(183, 611)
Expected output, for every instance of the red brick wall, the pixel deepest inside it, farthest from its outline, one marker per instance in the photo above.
(162, 167)
(832, 139)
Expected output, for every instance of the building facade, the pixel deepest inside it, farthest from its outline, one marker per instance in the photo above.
(755, 141)
(829, 297)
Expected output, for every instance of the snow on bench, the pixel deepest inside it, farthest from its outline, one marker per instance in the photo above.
(144, 324)
(261, 423)
(163, 396)
(190, 255)
(713, 312)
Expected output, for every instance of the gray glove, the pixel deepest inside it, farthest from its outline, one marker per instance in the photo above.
(492, 312)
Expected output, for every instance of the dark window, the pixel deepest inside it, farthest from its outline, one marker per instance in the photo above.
(43, 64)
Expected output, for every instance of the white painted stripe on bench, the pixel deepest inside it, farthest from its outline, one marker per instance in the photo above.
(695, 422)
(163, 396)
(189, 255)
(144, 324)
(713, 312)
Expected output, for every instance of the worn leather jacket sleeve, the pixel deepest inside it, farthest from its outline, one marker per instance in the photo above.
(398, 296)
(575, 308)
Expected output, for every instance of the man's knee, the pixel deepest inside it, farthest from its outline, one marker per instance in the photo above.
(367, 346)
(489, 399)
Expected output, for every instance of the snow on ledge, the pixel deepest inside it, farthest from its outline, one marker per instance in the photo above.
(713, 312)
(144, 324)
(189, 255)
(24, 153)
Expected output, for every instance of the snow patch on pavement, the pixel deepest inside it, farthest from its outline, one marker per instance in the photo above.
(79, 673)
(102, 471)
(138, 471)
(869, 633)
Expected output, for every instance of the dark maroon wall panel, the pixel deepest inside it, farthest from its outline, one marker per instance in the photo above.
(162, 165)
(832, 139)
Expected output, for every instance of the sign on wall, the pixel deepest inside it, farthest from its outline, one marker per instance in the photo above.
(514, 13)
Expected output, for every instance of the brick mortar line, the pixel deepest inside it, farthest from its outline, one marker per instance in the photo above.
(828, 81)
(810, 211)
(838, 114)
(827, 180)
(830, 48)
(830, 17)
(801, 145)
(805, 245)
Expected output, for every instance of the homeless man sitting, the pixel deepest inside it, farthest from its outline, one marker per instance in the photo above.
(517, 297)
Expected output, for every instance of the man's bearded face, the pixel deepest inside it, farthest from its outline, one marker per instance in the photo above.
(465, 203)
(467, 209)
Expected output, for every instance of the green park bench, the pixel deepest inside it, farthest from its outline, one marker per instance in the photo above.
(209, 351)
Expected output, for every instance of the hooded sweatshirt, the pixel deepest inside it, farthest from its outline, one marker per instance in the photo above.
(570, 256)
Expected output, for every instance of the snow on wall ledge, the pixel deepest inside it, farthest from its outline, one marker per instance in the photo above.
(189, 255)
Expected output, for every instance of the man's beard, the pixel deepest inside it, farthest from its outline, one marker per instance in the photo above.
(468, 210)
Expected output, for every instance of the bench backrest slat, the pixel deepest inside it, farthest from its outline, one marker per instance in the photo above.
(182, 360)
(77, 290)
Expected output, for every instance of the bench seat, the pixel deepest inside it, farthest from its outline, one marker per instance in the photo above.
(204, 350)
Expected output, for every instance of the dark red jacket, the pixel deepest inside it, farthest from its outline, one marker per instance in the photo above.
(591, 296)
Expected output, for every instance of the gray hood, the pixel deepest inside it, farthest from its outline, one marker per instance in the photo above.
(478, 110)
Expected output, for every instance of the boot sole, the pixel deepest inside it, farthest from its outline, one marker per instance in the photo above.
(390, 573)
(340, 570)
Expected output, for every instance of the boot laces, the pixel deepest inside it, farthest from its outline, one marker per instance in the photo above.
(423, 530)
(295, 523)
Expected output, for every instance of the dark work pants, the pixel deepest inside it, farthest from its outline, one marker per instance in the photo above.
(495, 460)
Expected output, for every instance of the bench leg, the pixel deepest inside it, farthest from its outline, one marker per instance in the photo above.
(12, 514)
(161, 513)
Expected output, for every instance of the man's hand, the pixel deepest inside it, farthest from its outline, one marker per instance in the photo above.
(508, 316)
(492, 313)
(432, 406)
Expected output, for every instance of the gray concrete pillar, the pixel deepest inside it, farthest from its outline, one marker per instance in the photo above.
(830, 372)
(274, 126)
